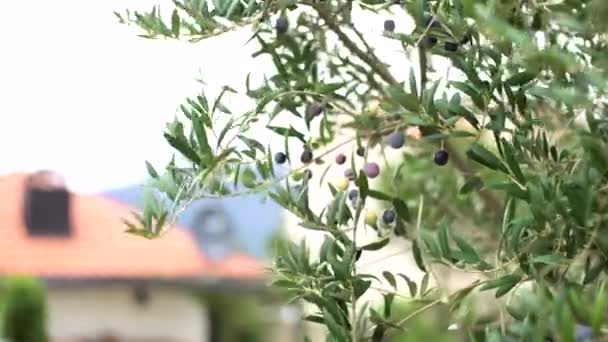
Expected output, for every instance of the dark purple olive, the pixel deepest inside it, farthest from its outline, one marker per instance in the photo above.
(466, 38)
(396, 140)
(371, 169)
(281, 25)
(389, 25)
(358, 254)
(441, 157)
(388, 216)
(340, 159)
(360, 151)
(429, 41)
(314, 109)
(353, 195)
(306, 156)
(280, 158)
(450, 46)
(350, 174)
(537, 21)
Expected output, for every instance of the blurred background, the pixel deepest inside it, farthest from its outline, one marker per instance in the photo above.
(83, 102)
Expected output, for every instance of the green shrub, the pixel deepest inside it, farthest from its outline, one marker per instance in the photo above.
(237, 317)
(24, 311)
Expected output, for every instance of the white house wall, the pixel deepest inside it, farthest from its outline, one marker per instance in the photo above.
(89, 312)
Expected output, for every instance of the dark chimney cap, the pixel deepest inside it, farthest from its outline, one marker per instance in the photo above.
(47, 205)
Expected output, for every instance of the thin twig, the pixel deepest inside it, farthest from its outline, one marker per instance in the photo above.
(491, 202)
(419, 311)
(368, 57)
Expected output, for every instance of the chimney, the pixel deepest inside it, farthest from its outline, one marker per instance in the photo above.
(47, 205)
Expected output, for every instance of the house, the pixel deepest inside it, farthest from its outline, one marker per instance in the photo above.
(102, 281)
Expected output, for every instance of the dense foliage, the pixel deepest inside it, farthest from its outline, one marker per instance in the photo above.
(521, 124)
(24, 310)
(241, 317)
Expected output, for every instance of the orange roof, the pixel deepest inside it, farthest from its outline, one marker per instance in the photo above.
(98, 247)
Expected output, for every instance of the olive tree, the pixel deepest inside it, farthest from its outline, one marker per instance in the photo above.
(523, 127)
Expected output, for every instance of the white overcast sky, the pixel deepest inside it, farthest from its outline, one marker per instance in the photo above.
(82, 95)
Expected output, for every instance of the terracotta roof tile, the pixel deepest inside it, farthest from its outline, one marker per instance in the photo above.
(99, 247)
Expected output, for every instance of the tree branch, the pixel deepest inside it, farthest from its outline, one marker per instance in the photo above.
(368, 58)
(377, 66)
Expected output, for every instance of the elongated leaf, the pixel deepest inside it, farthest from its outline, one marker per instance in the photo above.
(521, 78)
(312, 226)
(443, 241)
(151, 170)
(360, 286)
(410, 284)
(417, 9)
(376, 318)
(512, 161)
(471, 91)
(224, 131)
(472, 184)
(138, 231)
(430, 243)
(579, 198)
(424, 284)
(429, 100)
(401, 209)
(484, 157)
(598, 310)
(201, 134)
(175, 23)
(592, 273)
(418, 255)
(378, 195)
(456, 299)
(469, 254)
(202, 101)
(340, 267)
(508, 281)
(183, 147)
(503, 290)
(343, 214)
(248, 178)
(390, 278)
(566, 324)
(328, 88)
(362, 184)
(314, 318)
(408, 101)
(388, 303)
(266, 100)
(413, 84)
(334, 327)
(290, 132)
(252, 144)
(376, 245)
(549, 259)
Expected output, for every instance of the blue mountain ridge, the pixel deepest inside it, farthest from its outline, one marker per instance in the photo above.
(254, 218)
